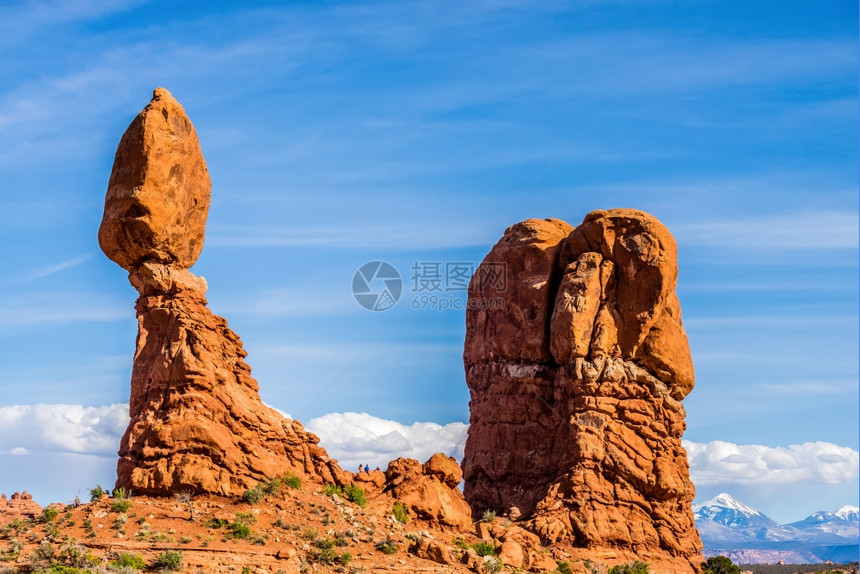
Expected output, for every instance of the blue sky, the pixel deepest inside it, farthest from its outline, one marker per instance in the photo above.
(440, 125)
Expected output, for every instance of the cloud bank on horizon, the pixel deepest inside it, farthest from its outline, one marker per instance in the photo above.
(363, 439)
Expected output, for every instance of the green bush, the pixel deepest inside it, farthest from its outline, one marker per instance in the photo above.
(121, 502)
(387, 546)
(97, 492)
(169, 560)
(239, 530)
(216, 522)
(720, 565)
(355, 494)
(400, 512)
(630, 568)
(484, 548)
(563, 568)
(271, 485)
(254, 495)
(50, 514)
(329, 489)
(128, 560)
(489, 516)
(293, 481)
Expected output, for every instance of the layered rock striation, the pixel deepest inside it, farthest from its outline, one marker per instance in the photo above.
(197, 421)
(576, 383)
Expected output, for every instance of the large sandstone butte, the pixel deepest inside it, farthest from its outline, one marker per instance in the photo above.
(576, 380)
(197, 421)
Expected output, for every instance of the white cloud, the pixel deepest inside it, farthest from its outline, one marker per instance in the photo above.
(360, 438)
(62, 428)
(719, 462)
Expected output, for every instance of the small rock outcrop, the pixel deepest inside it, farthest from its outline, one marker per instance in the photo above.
(20, 506)
(197, 421)
(430, 491)
(576, 382)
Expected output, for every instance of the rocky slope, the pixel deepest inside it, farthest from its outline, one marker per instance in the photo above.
(576, 382)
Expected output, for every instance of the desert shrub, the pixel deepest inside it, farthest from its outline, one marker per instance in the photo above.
(97, 492)
(170, 560)
(254, 495)
(387, 546)
(720, 565)
(50, 514)
(309, 533)
(459, 543)
(635, 567)
(44, 554)
(484, 548)
(239, 530)
(128, 560)
(271, 485)
(293, 481)
(400, 512)
(563, 568)
(489, 516)
(329, 489)
(121, 502)
(355, 494)
(216, 522)
(122, 506)
(244, 518)
(493, 565)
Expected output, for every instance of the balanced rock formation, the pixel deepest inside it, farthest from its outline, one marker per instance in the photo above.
(197, 421)
(576, 382)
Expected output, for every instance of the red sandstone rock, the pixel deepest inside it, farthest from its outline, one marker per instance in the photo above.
(575, 385)
(158, 194)
(427, 490)
(197, 421)
(19, 506)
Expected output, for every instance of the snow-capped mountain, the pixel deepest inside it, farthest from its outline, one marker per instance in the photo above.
(739, 522)
(730, 527)
(845, 523)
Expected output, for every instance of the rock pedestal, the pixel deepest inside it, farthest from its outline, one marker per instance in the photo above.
(197, 421)
(576, 382)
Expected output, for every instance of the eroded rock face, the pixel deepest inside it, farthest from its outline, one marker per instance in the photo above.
(197, 421)
(576, 385)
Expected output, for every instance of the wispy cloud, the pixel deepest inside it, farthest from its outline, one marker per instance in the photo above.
(55, 268)
(801, 230)
(44, 308)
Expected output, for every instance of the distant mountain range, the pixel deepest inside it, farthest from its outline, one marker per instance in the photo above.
(734, 529)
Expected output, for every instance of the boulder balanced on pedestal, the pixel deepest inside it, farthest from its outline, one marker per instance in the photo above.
(197, 421)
